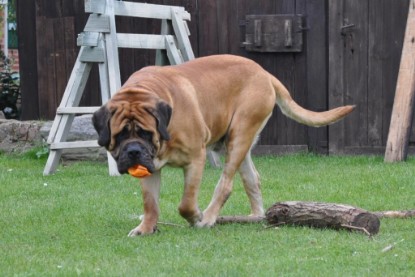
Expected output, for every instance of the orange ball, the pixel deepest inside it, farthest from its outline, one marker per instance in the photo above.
(138, 171)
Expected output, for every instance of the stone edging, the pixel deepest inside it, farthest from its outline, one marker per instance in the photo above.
(21, 136)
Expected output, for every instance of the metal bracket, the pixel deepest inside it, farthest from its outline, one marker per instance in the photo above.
(273, 33)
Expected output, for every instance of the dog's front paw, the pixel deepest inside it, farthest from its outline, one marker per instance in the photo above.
(195, 219)
(206, 222)
(142, 230)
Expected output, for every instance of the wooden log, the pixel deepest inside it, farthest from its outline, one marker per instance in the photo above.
(239, 219)
(395, 214)
(320, 215)
(323, 215)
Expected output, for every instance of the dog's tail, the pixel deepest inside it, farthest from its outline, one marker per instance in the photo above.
(304, 116)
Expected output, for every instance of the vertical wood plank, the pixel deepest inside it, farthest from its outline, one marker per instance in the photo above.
(316, 51)
(112, 50)
(181, 35)
(208, 26)
(401, 121)
(59, 57)
(223, 25)
(298, 133)
(375, 72)
(336, 71)
(394, 17)
(46, 70)
(356, 74)
(27, 33)
(236, 15)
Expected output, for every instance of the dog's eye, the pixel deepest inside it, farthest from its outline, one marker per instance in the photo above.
(146, 135)
(123, 135)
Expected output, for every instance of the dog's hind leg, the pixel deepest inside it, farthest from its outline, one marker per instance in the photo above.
(252, 185)
(240, 139)
(238, 144)
(251, 180)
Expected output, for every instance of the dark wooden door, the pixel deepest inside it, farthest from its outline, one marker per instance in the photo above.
(365, 43)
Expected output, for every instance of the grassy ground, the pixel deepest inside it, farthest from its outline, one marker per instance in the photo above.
(76, 222)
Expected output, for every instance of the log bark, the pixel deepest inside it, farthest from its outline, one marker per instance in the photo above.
(320, 215)
(239, 219)
(323, 215)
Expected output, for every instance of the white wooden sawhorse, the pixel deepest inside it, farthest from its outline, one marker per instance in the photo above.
(99, 45)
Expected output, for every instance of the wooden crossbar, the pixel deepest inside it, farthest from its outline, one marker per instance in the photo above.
(142, 41)
(76, 110)
(130, 9)
(74, 144)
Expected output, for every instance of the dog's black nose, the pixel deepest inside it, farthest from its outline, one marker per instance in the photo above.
(133, 151)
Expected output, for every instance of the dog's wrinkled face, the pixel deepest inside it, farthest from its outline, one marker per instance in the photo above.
(132, 132)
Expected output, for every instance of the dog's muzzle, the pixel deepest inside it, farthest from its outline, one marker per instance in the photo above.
(134, 153)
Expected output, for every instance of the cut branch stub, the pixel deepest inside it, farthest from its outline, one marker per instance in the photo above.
(322, 215)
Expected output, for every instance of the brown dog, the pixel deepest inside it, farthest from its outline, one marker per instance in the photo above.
(171, 115)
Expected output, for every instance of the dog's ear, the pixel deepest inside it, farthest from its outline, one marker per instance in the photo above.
(162, 113)
(100, 120)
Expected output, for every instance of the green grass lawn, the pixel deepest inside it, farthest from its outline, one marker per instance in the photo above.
(76, 222)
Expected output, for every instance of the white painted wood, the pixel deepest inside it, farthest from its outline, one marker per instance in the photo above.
(88, 39)
(74, 144)
(112, 50)
(141, 41)
(181, 35)
(76, 110)
(52, 162)
(105, 96)
(161, 54)
(113, 66)
(61, 124)
(112, 166)
(98, 23)
(73, 100)
(144, 10)
(77, 81)
(95, 6)
(104, 79)
(172, 53)
(92, 54)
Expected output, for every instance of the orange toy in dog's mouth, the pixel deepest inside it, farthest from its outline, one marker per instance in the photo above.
(138, 171)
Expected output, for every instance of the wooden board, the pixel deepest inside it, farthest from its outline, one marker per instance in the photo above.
(27, 53)
(142, 41)
(401, 121)
(316, 51)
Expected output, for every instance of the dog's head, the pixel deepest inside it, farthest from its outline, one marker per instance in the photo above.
(132, 130)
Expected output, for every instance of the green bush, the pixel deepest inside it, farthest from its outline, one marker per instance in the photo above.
(9, 89)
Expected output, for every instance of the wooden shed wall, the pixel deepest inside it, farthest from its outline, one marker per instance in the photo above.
(351, 55)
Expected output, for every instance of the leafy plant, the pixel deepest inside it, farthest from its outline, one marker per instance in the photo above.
(11, 17)
(9, 89)
(43, 151)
